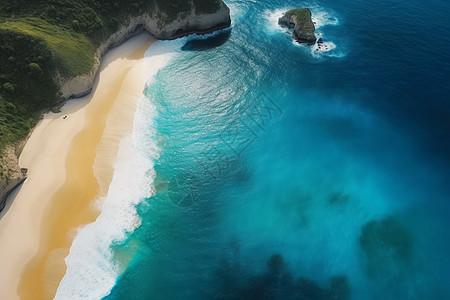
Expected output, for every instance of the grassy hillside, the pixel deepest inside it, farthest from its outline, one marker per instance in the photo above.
(41, 38)
(74, 53)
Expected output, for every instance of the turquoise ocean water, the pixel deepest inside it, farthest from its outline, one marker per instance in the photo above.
(275, 171)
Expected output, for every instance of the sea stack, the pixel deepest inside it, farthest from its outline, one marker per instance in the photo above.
(300, 19)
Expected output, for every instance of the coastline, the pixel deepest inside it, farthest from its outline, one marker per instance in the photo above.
(82, 85)
(62, 155)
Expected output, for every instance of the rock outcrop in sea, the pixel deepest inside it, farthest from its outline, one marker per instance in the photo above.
(301, 20)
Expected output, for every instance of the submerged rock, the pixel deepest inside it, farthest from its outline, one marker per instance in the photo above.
(388, 247)
(339, 288)
(300, 19)
(275, 263)
(275, 282)
(337, 198)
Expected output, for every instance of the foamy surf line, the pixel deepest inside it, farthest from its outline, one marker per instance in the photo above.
(91, 266)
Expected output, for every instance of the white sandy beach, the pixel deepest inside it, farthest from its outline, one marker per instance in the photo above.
(63, 155)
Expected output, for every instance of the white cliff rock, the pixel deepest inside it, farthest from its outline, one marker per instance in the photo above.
(192, 23)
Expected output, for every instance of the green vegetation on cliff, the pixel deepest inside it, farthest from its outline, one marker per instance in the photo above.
(42, 38)
(26, 85)
(15, 124)
(73, 52)
(97, 18)
(303, 16)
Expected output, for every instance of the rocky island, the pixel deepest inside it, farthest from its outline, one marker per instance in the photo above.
(300, 20)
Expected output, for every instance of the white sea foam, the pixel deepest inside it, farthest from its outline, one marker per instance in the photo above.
(91, 267)
(320, 17)
(237, 12)
(272, 18)
(324, 47)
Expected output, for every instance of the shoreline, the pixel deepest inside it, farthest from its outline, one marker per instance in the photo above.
(61, 155)
(81, 86)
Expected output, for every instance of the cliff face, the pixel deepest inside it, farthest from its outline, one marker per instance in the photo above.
(300, 19)
(185, 25)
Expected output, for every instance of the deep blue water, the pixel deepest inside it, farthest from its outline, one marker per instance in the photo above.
(290, 174)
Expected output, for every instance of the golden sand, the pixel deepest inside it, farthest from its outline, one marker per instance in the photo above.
(105, 117)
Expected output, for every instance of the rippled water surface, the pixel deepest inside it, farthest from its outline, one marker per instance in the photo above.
(284, 171)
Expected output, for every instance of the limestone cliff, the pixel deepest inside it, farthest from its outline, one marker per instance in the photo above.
(150, 22)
